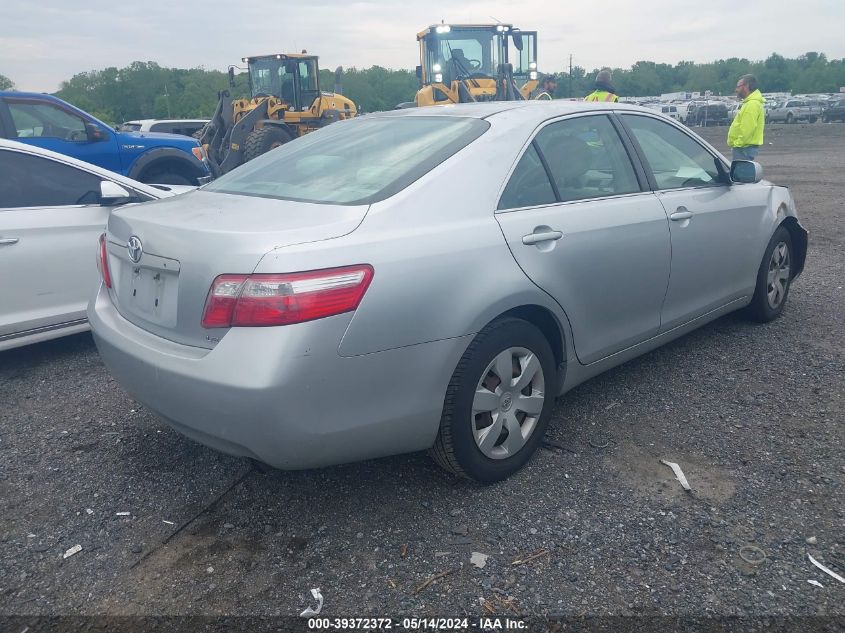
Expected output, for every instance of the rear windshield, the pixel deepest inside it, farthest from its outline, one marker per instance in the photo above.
(359, 161)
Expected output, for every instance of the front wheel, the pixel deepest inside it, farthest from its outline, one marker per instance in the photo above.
(773, 279)
(263, 140)
(167, 178)
(498, 403)
(813, 119)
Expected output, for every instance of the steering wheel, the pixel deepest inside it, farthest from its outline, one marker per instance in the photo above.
(474, 64)
(76, 135)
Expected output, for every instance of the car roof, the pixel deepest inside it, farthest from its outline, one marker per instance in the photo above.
(73, 162)
(531, 108)
(16, 93)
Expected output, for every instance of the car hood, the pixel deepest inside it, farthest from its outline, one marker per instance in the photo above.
(156, 138)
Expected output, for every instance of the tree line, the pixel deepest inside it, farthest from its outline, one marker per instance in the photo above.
(145, 90)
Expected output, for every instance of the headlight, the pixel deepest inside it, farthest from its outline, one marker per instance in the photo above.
(443, 28)
(436, 68)
(500, 28)
(438, 78)
(532, 74)
(532, 66)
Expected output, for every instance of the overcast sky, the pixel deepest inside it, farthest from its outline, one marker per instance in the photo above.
(43, 42)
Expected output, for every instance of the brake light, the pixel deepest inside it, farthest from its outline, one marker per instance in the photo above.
(103, 261)
(284, 299)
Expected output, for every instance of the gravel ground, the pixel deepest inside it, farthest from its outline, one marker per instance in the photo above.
(753, 414)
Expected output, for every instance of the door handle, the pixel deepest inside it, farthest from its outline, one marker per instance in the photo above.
(681, 214)
(8, 240)
(545, 236)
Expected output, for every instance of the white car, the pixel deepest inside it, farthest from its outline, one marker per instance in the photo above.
(669, 110)
(185, 127)
(52, 210)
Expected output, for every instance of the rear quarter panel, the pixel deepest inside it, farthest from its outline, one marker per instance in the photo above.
(442, 266)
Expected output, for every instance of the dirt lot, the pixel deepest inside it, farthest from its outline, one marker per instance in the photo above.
(754, 415)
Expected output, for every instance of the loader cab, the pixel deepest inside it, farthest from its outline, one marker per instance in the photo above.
(295, 79)
(456, 52)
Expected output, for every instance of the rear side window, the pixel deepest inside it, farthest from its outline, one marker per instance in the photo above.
(586, 158)
(33, 181)
(359, 161)
(529, 184)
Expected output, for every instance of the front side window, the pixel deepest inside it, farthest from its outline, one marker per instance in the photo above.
(359, 161)
(675, 159)
(586, 158)
(33, 181)
(34, 119)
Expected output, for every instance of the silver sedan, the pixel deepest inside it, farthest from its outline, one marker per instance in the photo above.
(433, 278)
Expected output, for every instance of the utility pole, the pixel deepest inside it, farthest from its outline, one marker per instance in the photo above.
(167, 99)
(570, 75)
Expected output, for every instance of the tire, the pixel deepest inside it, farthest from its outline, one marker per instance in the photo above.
(462, 426)
(813, 119)
(167, 178)
(768, 301)
(262, 140)
(790, 118)
(825, 119)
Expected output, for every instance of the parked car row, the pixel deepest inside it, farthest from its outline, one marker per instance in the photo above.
(793, 111)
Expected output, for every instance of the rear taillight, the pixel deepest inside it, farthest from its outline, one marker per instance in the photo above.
(103, 261)
(269, 299)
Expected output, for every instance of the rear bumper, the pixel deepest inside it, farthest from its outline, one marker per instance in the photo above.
(283, 395)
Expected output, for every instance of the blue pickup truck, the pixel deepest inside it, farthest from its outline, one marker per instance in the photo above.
(47, 121)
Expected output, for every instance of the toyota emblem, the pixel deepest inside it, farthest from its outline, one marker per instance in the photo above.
(135, 248)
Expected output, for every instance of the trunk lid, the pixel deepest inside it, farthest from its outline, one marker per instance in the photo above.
(182, 244)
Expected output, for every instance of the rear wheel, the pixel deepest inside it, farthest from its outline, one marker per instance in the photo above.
(263, 140)
(813, 119)
(790, 118)
(498, 403)
(773, 279)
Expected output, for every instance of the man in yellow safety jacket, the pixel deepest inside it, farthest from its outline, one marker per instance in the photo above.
(604, 89)
(745, 135)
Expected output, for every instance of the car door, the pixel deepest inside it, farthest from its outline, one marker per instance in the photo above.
(580, 223)
(51, 126)
(712, 222)
(50, 220)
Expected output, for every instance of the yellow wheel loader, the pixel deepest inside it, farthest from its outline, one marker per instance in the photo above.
(461, 63)
(285, 102)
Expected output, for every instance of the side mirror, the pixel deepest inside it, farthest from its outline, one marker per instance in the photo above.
(112, 194)
(231, 76)
(746, 171)
(517, 39)
(95, 133)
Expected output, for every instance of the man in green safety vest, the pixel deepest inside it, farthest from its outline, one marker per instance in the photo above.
(604, 89)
